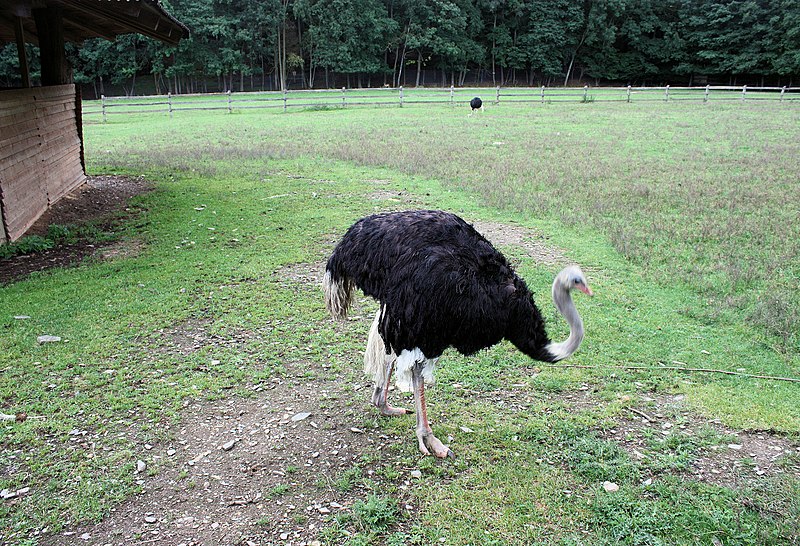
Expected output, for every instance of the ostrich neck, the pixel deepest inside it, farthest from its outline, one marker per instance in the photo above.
(565, 306)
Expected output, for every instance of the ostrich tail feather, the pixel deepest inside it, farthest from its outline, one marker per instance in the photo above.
(338, 295)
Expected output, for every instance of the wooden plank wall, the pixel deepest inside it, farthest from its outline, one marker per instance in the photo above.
(40, 154)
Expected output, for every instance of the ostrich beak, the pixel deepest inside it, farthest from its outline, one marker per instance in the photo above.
(585, 289)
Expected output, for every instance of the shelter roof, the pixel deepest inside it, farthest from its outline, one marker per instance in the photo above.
(84, 19)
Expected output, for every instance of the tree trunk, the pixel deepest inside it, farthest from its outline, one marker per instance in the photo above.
(419, 66)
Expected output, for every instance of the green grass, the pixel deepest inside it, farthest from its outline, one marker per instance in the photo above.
(683, 216)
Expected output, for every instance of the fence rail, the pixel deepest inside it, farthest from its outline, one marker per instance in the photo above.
(342, 98)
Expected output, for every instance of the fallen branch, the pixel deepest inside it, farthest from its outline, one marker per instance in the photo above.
(675, 368)
(642, 414)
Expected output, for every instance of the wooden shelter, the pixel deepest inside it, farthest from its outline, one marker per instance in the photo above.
(41, 132)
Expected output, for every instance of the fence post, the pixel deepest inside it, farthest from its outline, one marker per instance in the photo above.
(103, 102)
(543, 94)
(497, 96)
(284, 99)
(451, 95)
(629, 94)
(229, 101)
(585, 93)
(401, 96)
(169, 103)
(783, 90)
(666, 94)
(343, 102)
(744, 91)
(705, 97)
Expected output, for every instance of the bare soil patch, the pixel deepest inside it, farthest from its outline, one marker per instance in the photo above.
(99, 201)
(261, 470)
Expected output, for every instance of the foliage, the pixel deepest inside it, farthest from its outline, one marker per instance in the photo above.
(255, 44)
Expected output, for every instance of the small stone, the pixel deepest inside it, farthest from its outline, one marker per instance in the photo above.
(48, 339)
(416, 473)
(315, 543)
(284, 536)
(150, 519)
(21, 317)
(86, 536)
(7, 494)
(466, 429)
(23, 491)
(323, 510)
(735, 447)
(335, 505)
(610, 487)
(215, 362)
(356, 430)
(171, 452)
(300, 416)
(141, 466)
(227, 446)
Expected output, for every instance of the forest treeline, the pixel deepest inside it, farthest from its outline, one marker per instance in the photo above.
(243, 45)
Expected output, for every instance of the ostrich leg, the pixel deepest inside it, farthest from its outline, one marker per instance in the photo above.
(381, 392)
(427, 441)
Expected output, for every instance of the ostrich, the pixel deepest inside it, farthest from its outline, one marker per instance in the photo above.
(476, 104)
(440, 284)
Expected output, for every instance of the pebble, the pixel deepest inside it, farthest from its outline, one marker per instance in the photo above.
(736, 447)
(86, 536)
(171, 452)
(141, 466)
(610, 487)
(150, 519)
(416, 473)
(227, 446)
(48, 339)
(300, 416)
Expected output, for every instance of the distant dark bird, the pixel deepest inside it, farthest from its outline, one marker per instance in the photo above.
(476, 104)
(440, 284)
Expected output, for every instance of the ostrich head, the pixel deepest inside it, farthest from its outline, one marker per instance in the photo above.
(569, 279)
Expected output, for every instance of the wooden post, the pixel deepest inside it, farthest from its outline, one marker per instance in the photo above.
(629, 93)
(585, 93)
(169, 103)
(705, 97)
(53, 58)
(19, 33)
(451, 95)
(284, 99)
(343, 101)
(229, 101)
(666, 94)
(783, 91)
(401, 96)
(497, 96)
(543, 94)
(103, 106)
(744, 92)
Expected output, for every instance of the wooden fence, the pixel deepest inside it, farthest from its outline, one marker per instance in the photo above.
(342, 98)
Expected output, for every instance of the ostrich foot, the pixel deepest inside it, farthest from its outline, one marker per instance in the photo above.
(379, 400)
(428, 443)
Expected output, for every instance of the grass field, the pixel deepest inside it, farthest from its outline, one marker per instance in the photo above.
(684, 216)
